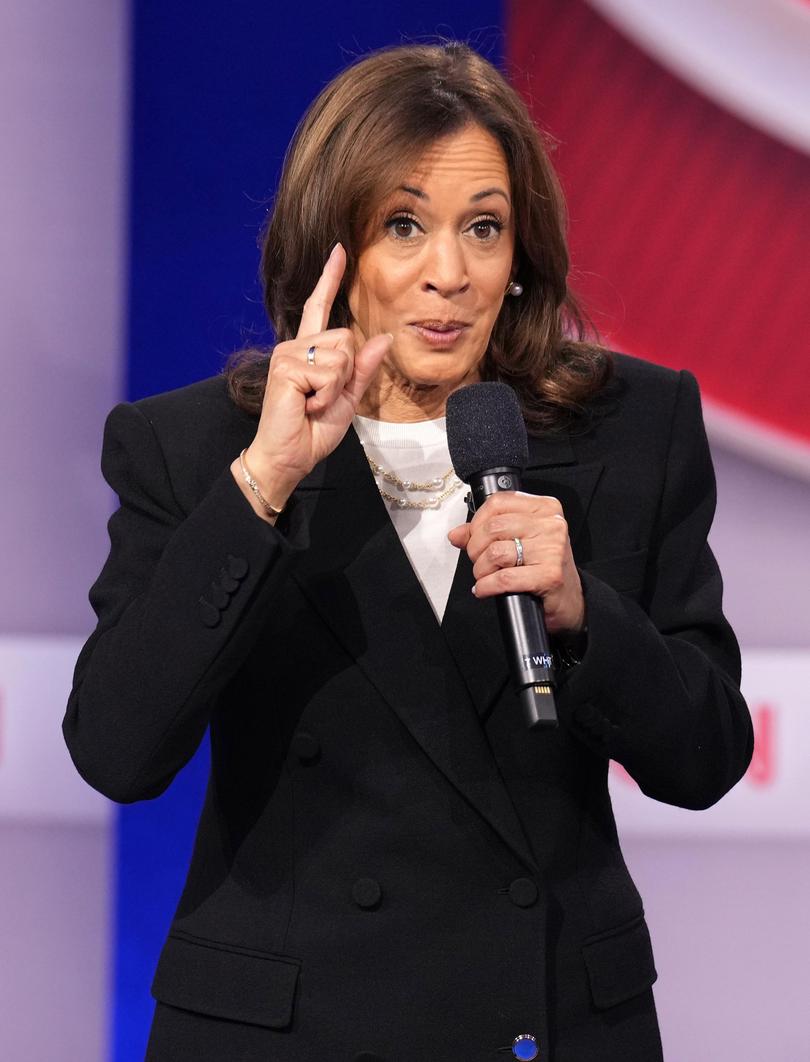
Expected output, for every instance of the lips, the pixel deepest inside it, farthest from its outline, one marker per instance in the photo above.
(439, 333)
(436, 325)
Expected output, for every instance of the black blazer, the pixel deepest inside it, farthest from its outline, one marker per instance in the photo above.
(388, 864)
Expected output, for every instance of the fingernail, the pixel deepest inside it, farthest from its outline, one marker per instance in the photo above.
(473, 591)
(390, 336)
(332, 252)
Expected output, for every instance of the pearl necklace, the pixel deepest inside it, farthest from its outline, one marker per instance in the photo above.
(433, 502)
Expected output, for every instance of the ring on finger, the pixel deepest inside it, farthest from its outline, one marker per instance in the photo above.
(311, 356)
(519, 551)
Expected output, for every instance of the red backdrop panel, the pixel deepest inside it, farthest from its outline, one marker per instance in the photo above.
(689, 228)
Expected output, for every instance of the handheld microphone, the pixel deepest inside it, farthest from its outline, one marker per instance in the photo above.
(486, 437)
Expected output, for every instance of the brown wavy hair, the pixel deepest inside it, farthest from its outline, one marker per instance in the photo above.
(365, 129)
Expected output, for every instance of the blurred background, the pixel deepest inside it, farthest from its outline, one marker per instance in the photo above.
(140, 147)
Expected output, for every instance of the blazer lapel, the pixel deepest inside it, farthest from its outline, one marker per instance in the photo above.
(471, 627)
(553, 469)
(357, 575)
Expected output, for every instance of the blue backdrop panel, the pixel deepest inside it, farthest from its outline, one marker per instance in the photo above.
(217, 91)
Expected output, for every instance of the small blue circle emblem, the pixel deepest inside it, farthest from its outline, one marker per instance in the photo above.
(525, 1047)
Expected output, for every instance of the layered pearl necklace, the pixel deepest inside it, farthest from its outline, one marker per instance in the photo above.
(407, 485)
(412, 471)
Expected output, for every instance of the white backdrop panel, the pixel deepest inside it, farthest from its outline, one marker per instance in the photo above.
(773, 799)
(37, 778)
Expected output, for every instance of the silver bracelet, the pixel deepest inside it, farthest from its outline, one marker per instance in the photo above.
(271, 510)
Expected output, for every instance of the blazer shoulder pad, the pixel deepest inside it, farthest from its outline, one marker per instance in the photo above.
(203, 412)
(645, 375)
(208, 396)
(200, 431)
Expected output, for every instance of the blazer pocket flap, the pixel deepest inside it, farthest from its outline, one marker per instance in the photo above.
(236, 984)
(620, 964)
(625, 572)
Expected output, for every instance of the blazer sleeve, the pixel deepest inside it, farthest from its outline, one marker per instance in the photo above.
(658, 686)
(179, 603)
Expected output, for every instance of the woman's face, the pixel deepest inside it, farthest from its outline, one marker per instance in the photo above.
(436, 268)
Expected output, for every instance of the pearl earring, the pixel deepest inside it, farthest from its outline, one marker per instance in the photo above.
(515, 289)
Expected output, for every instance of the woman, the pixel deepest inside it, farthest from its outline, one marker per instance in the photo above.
(388, 864)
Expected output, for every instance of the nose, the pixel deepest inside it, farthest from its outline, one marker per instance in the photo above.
(445, 265)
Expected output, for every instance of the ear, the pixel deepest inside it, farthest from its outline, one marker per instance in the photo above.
(513, 272)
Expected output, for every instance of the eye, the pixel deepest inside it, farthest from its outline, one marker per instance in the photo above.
(485, 229)
(402, 226)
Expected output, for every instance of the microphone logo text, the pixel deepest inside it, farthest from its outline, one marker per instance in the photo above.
(542, 660)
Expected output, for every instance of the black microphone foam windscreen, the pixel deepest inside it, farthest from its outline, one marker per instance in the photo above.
(485, 429)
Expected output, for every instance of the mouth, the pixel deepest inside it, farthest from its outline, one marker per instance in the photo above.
(439, 333)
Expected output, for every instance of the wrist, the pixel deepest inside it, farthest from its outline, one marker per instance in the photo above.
(250, 497)
(267, 495)
(275, 483)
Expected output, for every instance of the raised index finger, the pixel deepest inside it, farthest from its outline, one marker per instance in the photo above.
(318, 306)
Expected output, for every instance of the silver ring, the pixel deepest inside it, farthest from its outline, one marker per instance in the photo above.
(519, 548)
(311, 356)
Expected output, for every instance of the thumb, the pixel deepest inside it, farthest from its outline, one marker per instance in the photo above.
(460, 536)
(366, 362)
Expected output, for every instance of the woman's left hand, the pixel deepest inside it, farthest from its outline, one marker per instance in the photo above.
(548, 567)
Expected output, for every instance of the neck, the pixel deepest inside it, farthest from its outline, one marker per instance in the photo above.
(394, 398)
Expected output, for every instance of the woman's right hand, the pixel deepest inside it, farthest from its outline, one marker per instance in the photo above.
(307, 406)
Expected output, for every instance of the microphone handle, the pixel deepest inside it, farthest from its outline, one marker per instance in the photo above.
(522, 623)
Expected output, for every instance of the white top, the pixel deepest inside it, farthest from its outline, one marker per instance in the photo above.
(418, 452)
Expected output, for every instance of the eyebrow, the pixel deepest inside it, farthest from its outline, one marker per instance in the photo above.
(419, 194)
